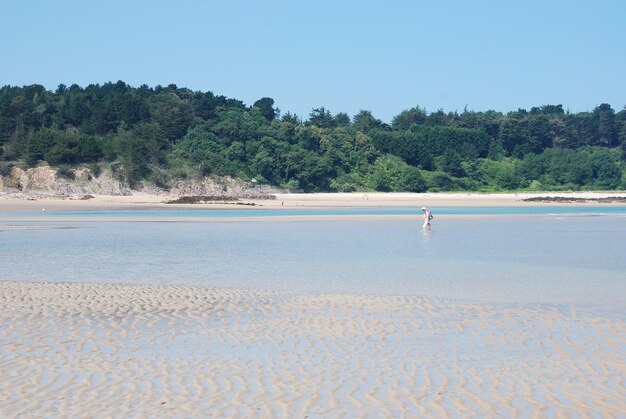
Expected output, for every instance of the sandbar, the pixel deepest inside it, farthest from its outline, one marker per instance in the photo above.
(11, 203)
(111, 350)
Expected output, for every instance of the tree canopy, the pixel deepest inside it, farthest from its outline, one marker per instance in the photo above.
(144, 130)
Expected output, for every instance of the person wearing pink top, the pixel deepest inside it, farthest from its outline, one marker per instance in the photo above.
(426, 218)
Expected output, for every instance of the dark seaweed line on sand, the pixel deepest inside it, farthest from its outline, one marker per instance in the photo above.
(605, 200)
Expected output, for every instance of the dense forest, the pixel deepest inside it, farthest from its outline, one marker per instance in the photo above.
(164, 133)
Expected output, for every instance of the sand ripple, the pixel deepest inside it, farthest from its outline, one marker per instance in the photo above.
(84, 350)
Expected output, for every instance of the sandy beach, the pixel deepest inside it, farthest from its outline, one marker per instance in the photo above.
(51, 205)
(120, 350)
(13, 203)
(84, 350)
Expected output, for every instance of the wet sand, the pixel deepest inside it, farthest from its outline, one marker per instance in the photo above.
(12, 204)
(50, 206)
(85, 350)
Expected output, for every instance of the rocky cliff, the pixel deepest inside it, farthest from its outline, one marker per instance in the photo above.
(48, 181)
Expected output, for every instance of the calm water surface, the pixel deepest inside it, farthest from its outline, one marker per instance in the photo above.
(263, 212)
(550, 259)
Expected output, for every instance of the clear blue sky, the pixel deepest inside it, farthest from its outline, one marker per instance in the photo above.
(383, 56)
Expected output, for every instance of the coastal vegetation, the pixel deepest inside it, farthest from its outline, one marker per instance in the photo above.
(203, 199)
(160, 134)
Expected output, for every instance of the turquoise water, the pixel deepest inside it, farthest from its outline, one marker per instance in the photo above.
(576, 260)
(260, 212)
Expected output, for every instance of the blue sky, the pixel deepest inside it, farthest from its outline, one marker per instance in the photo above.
(344, 55)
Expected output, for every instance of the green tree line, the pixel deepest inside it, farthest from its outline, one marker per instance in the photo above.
(164, 133)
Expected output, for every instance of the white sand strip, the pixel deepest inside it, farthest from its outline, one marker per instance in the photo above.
(85, 350)
(11, 204)
(354, 199)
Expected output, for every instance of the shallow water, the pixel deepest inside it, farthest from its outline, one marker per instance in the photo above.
(158, 351)
(548, 259)
(266, 212)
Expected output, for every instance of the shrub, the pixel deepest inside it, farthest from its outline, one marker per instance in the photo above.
(95, 169)
(5, 168)
(535, 186)
(65, 172)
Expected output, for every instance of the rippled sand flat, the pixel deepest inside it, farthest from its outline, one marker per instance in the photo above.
(85, 350)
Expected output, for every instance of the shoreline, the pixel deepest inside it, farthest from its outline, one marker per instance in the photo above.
(7, 224)
(34, 203)
(146, 350)
(23, 209)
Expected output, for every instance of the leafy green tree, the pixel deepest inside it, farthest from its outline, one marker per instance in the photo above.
(489, 121)
(603, 120)
(61, 154)
(569, 167)
(266, 107)
(205, 105)
(17, 146)
(349, 182)
(322, 118)
(532, 167)
(199, 145)
(235, 124)
(41, 142)
(285, 131)
(606, 169)
(342, 119)
(364, 122)
(622, 132)
(451, 163)
(440, 118)
(550, 110)
(408, 118)
(390, 173)
(71, 147)
(7, 119)
(412, 147)
(89, 148)
(441, 181)
(134, 154)
(173, 115)
(315, 172)
(581, 129)
(152, 133)
(520, 134)
(380, 180)
(264, 163)
(501, 174)
(236, 152)
(309, 137)
(291, 118)
(410, 180)
(346, 149)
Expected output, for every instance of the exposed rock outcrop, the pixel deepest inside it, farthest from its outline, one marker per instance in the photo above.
(218, 186)
(47, 181)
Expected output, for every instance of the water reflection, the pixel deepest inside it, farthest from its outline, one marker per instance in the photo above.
(496, 259)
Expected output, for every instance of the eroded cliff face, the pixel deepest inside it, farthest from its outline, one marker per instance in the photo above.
(45, 180)
(36, 179)
(217, 186)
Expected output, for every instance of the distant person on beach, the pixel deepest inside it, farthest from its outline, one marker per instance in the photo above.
(426, 218)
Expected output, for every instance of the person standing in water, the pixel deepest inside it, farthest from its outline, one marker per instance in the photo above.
(426, 218)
